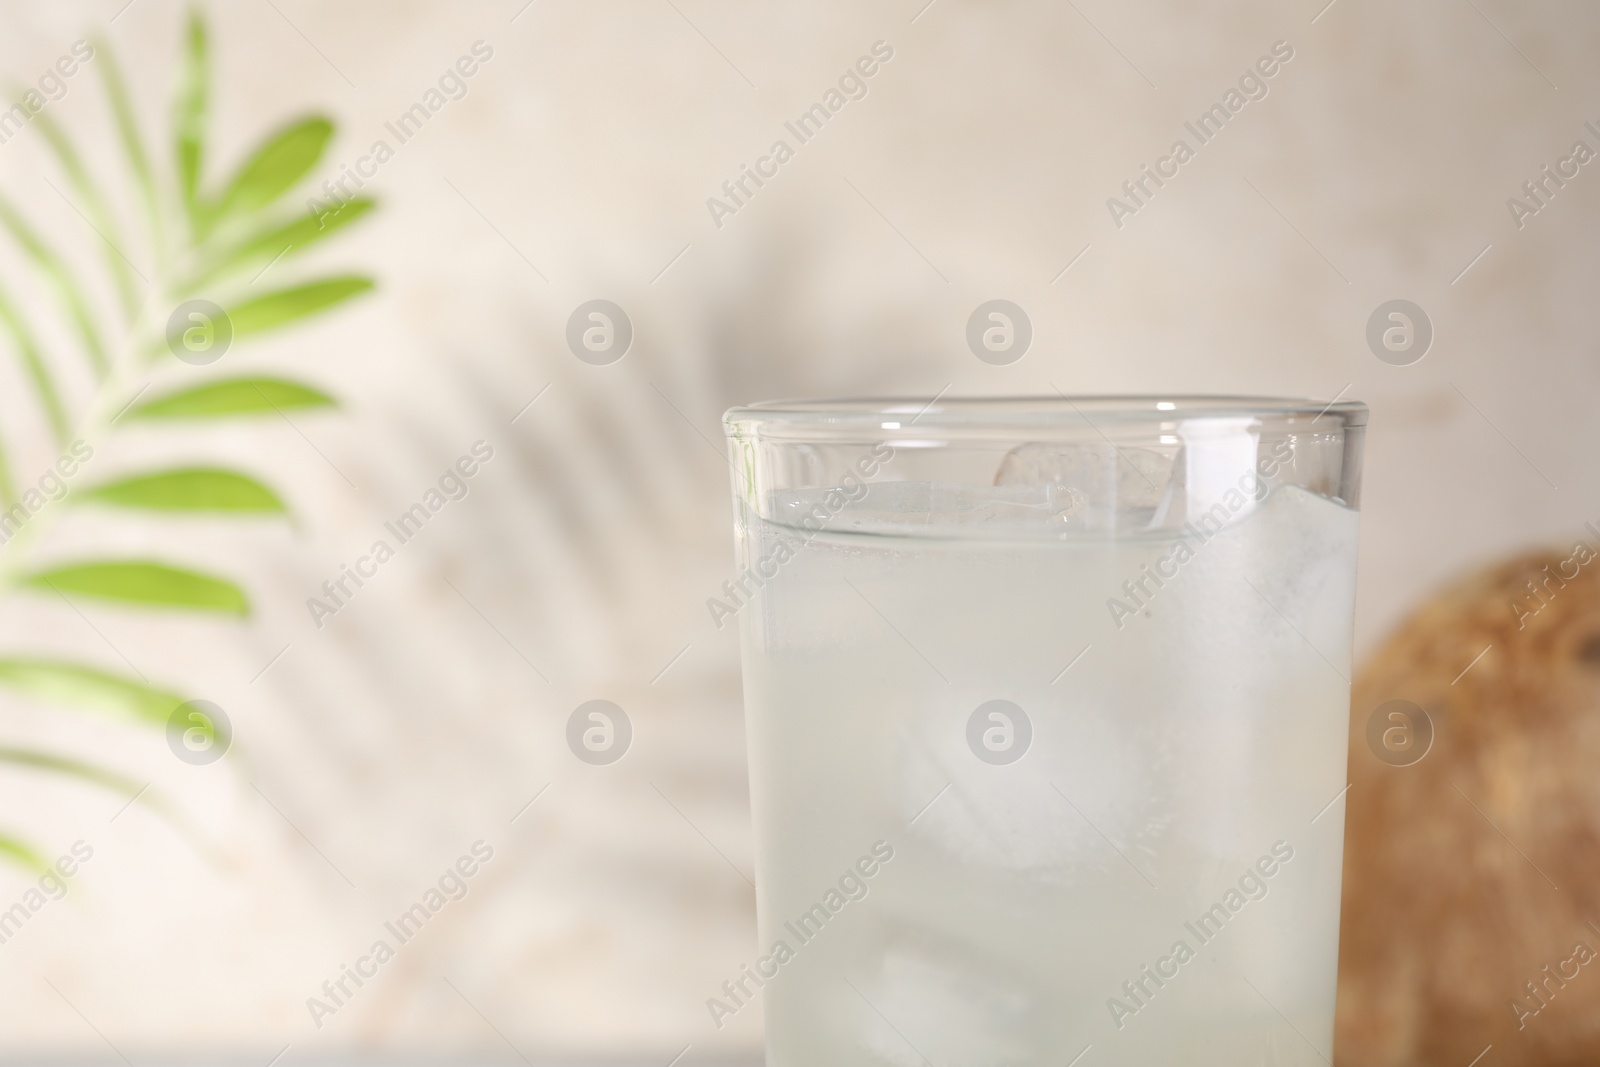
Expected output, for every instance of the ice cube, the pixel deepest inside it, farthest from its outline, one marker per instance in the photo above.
(1099, 485)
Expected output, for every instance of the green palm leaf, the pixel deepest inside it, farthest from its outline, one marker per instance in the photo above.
(128, 134)
(187, 489)
(77, 686)
(274, 168)
(236, 396)
(189, 119)
(88, 772)
(66, 285)
(144, 582)
(284, 306)
(277, 240)
(23, 855)
(39, 374)
(104, 223)
(227, 234)
(121, 784)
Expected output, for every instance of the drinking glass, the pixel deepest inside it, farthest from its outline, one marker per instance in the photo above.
(1046, 704)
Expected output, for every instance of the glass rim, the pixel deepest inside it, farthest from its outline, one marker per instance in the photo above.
(1011, 416)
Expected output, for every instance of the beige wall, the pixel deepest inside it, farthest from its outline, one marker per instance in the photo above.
(416, 721)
